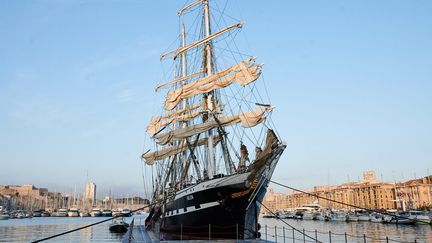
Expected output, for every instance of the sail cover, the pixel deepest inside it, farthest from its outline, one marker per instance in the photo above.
(247, 119)
(243, 73)
(155, 127)
(151, 157)
(175, 113)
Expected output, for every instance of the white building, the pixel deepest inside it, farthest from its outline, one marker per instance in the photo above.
(90, 192)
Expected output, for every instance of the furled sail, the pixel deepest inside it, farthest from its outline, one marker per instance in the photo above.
(175, 113)
(155, 127)
(180, 115)
(243, 73)
(247, 119)
(151, 157)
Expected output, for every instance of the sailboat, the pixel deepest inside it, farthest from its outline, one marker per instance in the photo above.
(206, 184)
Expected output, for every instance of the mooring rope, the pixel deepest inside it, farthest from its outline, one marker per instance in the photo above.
(294, 228)
(335, 201)
(86, 226)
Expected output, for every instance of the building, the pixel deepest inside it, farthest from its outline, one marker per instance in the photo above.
(369, 193)
(415, 193)
(24, 190)
(90, 192)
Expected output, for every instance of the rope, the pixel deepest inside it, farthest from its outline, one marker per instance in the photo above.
(292, 227)
(332, 200)
(89, 225)
(346, 204)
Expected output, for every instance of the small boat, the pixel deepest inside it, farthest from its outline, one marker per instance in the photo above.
(363, 217)
(319, 216)
(106, 213)
(308, 215)
(37, 213)
(84, 214)
(116, 212)
(402, 218)
(126, 212)
(45, 214)
(4, 216)
(268, 215)
(338, 216)
(376, 218)
(298, 215)
(28, 214)
(62, 212)
(118, 226)
(20, 215)
(419, 217)
(351, 217)
(286, 215)
(95, 212)
(73, 212)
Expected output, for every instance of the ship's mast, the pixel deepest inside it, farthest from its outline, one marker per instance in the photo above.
(184, 165)
(208, 98)
(183, 58)
(195, 96)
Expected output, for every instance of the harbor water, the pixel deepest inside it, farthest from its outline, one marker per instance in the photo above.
(355, 231)
(29, 229)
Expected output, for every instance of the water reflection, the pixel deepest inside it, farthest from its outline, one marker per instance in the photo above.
(25, 230)
(355, 230)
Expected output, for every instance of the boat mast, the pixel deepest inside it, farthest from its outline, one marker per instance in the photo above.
(208, 98)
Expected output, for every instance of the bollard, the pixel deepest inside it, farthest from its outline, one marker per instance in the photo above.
(237, 231)
(316, 236)
(293, 235)
(209, 231)
(364, 238)
(181, 232)
(275, 233)
(304, 236)
(346, 238)
(387, 240)
(283, 230)
(266, 231)
(329, 236)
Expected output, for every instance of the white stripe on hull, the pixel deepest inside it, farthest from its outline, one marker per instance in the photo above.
(191, 209)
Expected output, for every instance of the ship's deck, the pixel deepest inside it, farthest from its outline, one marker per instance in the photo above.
(140, 234)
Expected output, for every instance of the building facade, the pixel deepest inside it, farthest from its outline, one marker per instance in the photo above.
(368, 193)
(90, 192)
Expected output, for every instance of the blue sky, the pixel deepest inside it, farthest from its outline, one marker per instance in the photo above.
(351, 82)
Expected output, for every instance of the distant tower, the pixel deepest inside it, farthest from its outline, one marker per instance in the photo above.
(90, 192)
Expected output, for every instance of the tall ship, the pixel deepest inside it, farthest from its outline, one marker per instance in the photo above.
(214, 147)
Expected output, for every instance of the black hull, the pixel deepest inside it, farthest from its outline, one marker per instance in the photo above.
(220, 208)
(224, 219)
